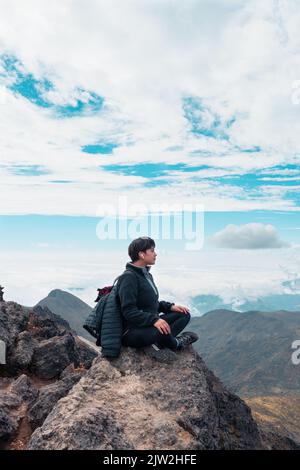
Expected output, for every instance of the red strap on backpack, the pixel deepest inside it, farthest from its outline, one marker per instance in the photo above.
(105, 290)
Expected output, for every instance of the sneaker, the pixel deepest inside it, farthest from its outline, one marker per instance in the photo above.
(187, 338)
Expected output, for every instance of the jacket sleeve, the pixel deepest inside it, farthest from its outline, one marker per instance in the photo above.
(164, 306)
(127, 291)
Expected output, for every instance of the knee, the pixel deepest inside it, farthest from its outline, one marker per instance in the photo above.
(188, 317)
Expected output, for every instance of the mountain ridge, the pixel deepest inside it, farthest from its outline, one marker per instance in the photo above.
(68, 306)
(250, 351)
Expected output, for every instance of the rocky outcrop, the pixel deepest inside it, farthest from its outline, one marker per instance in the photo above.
(149, 400)
(57, 392)
(49, 396)
(39, 342)
(44, 359)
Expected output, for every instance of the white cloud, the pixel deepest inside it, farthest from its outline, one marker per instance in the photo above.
(286, 172)
(249, 236)
(143, 58)
(179, 275)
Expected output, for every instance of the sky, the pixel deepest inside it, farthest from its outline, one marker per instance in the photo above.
(165, 104)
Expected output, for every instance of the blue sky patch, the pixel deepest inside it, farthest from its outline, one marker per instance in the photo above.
(26, 232)
(174, 148)
(82, 107)
(152, 170)
(254, 149)
(203, 121)
(61, 181)
(104, 148)
(288, 166)
(154, 183)
(28, 170)
(293, 194)
(25, 84)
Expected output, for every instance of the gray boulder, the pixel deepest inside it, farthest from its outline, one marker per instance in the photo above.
(140, 401)
(48, 397)
(22, 353)
(24, 389)
(8, 427)
(51, 356)
(47, 324)
(9, 418)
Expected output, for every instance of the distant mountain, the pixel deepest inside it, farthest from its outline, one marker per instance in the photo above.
(278, 412)
(250, 351)
(70, 308)
(290, 302)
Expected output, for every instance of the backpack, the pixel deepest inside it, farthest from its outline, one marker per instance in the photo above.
(105, 322)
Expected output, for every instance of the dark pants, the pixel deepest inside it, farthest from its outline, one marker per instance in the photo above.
(144, 336)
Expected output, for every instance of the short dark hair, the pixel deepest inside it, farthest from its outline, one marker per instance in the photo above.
(139, 244)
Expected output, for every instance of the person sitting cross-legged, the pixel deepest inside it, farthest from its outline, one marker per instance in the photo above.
(146, 320)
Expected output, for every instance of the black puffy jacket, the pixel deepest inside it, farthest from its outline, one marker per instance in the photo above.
(139, 299)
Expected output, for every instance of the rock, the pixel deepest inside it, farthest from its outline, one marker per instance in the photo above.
(86, 353)
(9, 419)
(48, 397)
(89, 431)
(41, 345)
(70, 370)
(13, 320)
(161, 355)
(22, 354)
(47, 324)
(5, 383)
(53, 355)
(142, 401)
(24, 388)
(9, 401)
(8, 427)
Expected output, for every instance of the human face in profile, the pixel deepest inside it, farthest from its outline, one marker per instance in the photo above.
(148, 257)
